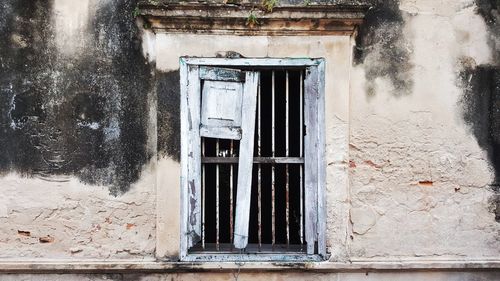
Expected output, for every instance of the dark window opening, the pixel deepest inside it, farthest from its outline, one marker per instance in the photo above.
(277, 198)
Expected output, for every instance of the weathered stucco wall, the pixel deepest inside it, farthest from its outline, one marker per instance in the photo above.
(76, 132)
(89, 134)
(422, 183)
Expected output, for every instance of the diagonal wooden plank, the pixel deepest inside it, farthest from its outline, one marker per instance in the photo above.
(245, 164)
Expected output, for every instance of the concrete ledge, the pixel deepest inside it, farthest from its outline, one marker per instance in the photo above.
(62, 266)
(247, 20)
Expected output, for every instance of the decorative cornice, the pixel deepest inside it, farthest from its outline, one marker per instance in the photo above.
(237, 20)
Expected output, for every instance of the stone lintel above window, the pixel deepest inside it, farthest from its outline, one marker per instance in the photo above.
(249, 18)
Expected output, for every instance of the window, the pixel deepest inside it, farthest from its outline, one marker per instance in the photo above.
(252, 155)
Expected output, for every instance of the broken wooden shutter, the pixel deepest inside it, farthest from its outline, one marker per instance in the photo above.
(222, 98)
(190, 107)
(313, 160)
(227, 111)
(245, 164)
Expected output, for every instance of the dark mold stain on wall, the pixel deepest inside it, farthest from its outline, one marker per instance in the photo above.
(481, 96)
(382, 48)
(168, 89)
(481, 103)
(83, 115)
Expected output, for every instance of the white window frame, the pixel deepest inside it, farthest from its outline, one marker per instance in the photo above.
(314, 155)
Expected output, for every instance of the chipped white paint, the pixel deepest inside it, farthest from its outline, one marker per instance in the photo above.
(148, 43)
(112, 129)
(84, 221)
(91, 125)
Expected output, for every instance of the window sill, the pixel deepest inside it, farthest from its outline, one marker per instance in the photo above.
(280, 258)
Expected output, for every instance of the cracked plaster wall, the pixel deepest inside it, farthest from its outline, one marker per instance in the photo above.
(76, 132)
(419, 182)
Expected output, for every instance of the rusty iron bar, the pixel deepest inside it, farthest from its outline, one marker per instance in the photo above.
(203, 195)
(287, 153)
(259, 167)
(217, 198)
(273, 135)
(301, 154)
(231, 226)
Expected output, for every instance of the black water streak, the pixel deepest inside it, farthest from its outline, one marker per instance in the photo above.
(382, 48)
(480, 100)
(168, 93)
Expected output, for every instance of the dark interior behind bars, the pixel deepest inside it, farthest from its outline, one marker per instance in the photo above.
(281, 232)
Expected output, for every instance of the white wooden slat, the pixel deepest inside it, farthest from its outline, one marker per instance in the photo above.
(245, 165)
(217, 220)
(321, 222)
(273, 62)
(221, 74)
(203, 212)
(221, 103)
(231, 133)
(311, 157)
(194, 156)
(184, 159)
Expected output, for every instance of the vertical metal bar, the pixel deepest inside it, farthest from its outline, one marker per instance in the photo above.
(259, 175)
(231, 227)
(273, 224)
(217, 197)
(287, 152)
(301, 154)
(203, 195)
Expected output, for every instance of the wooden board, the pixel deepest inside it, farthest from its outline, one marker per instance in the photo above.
(311, 157)
(194, 156)
(221, 74)
(221, 103)
(230, 133)
(245, 165)
(321, 221)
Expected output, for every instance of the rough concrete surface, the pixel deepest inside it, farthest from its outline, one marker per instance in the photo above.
(420, 181)
(90, 141)
(368, 276)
